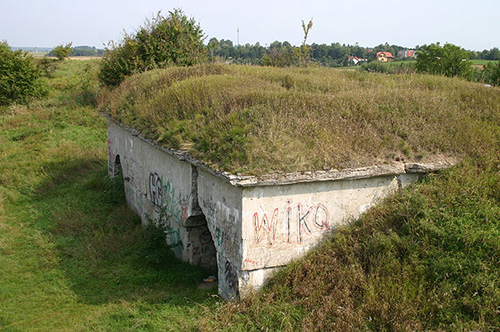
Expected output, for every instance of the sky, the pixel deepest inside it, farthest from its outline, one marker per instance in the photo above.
(473, 25)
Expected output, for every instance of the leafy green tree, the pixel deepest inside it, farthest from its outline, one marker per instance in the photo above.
(174, 40)
(61, 52)
(491, 73)
(18, 77)
(279, 55)
(448, 60)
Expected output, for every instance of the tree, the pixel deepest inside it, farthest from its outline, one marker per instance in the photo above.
(448, 60)
(61, 52)
(491, 73)
(303, 52)
(279, 55)
(174, 40)
(18, 77)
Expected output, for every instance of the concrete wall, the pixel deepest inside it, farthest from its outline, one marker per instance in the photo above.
(245, 228)
(221, 204)
(281, 223)
(160, 187)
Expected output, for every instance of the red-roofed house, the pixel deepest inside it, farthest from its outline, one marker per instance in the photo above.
(385, 56)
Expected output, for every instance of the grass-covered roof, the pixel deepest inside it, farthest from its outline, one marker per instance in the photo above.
(256, 120)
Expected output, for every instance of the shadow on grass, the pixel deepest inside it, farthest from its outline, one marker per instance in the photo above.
(103, 251)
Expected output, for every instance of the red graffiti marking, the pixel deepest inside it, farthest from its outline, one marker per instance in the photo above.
(265, 226)
(184, 213)
(302, 220)
(250, 261)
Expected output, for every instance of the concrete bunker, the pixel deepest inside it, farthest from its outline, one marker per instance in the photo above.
(243, 227)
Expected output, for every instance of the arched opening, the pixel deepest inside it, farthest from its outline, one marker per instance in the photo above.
(202, 247)
(201, 250)
(117, 168)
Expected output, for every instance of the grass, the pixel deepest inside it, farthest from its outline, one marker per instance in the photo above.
(256, 120)
(483, 62)
(424, 260)
(72, 256)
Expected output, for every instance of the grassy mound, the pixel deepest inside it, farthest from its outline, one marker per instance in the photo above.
(425, 259)
(255, 120)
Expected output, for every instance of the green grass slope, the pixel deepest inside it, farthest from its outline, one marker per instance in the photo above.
(256, 120)
(425, 260)
(72, 256)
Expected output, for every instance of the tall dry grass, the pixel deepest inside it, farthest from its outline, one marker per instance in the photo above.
(259, 119)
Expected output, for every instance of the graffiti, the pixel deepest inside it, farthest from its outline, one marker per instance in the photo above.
(265, 226)
(205, 243)
(226, 241)
(288, 219)
(218, 237)
(173, 236)
(230, 275)
(321, 211)
(184, 213)
(205, 237)
(201, 250)
(164, 195)
(155, 189)
(251, 261)
(281, 226)
(302, 222)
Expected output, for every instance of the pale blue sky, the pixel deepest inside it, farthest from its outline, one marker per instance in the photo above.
(473, 25)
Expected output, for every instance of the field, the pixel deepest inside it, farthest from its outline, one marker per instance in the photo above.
(482, 62)
(74, 258)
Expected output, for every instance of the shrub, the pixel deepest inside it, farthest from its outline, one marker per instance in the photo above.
(61, 52)
(491, 73)
(47, 66)
(18, 77)
(448, 60)
(388, 67)
(164, 41)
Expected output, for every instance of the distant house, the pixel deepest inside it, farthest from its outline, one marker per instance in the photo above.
(407, 54)
(354, 60)
(385, 56)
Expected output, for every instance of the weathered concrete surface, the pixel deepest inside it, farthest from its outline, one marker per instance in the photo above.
(160, 187)
(244, 227)
(222, 206)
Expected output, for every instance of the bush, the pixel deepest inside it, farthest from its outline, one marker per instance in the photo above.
(491, 73)
(448, 60)
(47, 66)
(61, 52)
(165, 41)
(18, 77)
(388, 67)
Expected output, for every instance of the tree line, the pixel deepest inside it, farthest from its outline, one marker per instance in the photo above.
(79, 51)
(332, 55)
